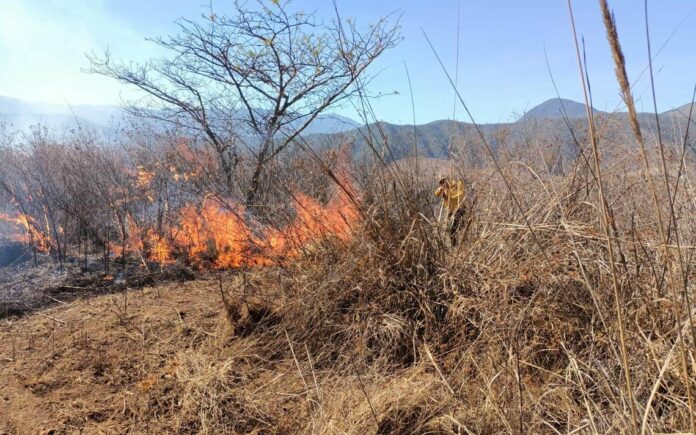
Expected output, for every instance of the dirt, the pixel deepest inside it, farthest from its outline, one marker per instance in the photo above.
(85, 366)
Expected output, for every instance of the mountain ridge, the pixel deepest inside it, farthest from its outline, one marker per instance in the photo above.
(435, 139)
(22, 114)
(557, 108)
(102, 115)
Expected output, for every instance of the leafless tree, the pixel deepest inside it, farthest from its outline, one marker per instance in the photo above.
(266, 72)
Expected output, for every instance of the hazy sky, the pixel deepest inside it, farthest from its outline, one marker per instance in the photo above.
(502, 70)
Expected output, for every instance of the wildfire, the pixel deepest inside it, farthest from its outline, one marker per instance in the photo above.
(217, 234)
(211, 233)
(27, 231)
(143, 178)
(220, 237)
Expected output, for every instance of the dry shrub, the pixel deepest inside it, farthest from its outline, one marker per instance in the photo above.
(514, 334)
(394, 331)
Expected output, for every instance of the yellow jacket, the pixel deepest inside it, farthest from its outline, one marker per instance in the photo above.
(453, 196)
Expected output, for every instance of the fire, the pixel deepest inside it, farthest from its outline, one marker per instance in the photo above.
(217, 236)
(211, 233)
(143, 178)
(27, 231)
(161, 251)
(315, 221)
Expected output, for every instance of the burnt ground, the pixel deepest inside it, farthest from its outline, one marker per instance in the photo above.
(13, 253)
(27, 287)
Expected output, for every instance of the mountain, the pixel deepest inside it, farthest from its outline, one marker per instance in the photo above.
(554, 109)
(544, 124)
(684, 111)
(21, 115)
(52, 121)
(437, 140)
(331, 123)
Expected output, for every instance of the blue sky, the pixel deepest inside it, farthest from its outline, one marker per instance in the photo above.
(502, 70)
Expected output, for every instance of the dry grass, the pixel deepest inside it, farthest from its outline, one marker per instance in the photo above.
(392, 332)
(564, 309)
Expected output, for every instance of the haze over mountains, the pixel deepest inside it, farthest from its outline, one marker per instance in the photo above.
(20, 115)
(434, 139)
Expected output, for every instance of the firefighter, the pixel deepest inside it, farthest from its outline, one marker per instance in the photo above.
(452, 194)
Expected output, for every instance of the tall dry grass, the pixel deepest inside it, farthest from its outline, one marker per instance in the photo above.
(555, 314)
(564, 309)
(396, 332)
(516, 330)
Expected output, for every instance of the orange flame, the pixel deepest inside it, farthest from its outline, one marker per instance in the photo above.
(215, 235)
(220, 237)
(27, 231)
(143, 178)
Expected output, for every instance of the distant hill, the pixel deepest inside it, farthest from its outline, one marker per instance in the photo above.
(554, 109)
(20, 115)
(447, 139)
(52, 121)
(331, 123)
(684, 110)
(441, 139)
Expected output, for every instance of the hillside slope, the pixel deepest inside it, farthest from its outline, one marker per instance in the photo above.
(556, 108)
(390, 331)
(21, 115)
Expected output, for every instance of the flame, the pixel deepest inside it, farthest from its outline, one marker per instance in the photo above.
(215, 236)
(211, 233)
(143, 178)
(161, 251)
(27, 231)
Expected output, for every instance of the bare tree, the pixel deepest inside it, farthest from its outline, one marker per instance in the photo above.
(264, 72)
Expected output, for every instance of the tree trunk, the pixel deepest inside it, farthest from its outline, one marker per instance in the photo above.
(227, 171)
(255, 182)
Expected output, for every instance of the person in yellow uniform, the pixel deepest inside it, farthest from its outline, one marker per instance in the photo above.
(452, 194)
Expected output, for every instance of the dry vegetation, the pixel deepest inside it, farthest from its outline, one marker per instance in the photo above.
(388, 332)
(566, 308)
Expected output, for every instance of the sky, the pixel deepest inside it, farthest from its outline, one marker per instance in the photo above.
(501, 51)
